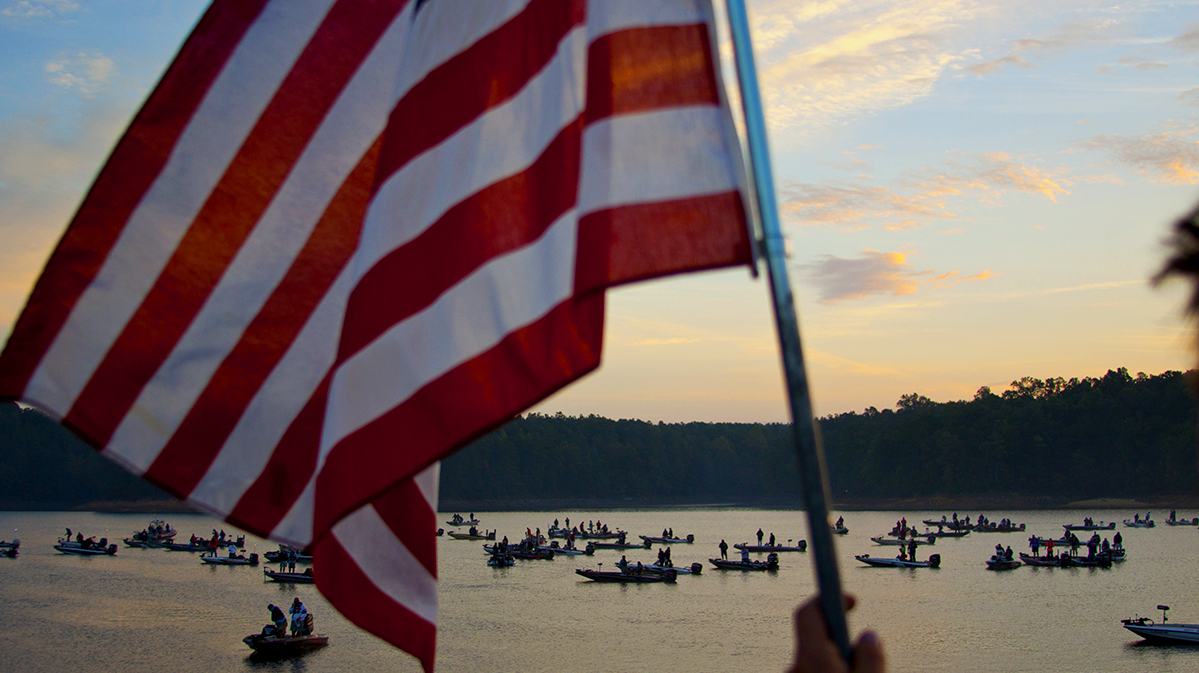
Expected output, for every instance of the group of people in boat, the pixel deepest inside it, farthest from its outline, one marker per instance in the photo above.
(592, 528)
(85, 542)
(301, 620)
(908, 552)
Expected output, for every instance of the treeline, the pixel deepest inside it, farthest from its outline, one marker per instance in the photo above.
(1113, 436)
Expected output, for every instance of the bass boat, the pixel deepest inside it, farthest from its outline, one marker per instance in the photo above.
(934, 561)
(275, 647)
(667, 540)
(238, 560)
(1111, 525)
(802, 545)
(1003, 563)
(289, 578)
(1165, 633)
(629, 577)
(86, 548)
(771, 563)
(898, 542)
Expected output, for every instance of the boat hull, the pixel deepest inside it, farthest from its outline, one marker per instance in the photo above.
(896, 542)
(288, 578)
(1178, 634)
(933, 561)
(626, 578)
(270, 647)
(747, 566)
(765, 548)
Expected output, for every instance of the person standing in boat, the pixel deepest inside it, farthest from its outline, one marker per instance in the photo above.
(299, 615)
(912, 550)
(1118, 540)
(1035, 543)
(279, 620)
(772, 539)
(759, 537)
(745, 553)
(724, 550)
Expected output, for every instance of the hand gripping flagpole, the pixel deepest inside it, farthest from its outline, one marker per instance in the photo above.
(812, 476)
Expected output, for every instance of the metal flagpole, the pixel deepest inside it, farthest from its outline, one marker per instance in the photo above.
(812, 473)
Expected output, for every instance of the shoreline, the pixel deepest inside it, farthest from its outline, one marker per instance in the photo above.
(936, 503)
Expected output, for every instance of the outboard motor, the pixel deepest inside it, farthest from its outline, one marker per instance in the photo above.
(253, 559)
(934, 560)
(772, 560)
(802, 544)
(690, 538)
(696, 568)
(671, 575)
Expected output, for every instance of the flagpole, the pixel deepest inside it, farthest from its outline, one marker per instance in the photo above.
(812, 474)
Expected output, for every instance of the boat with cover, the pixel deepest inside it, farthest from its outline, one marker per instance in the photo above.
(289, 578)
(628, 577)
(771, 563)
(275, 647)
(899, 541)
(802, 545)
(934, 561)
(1166, 633)
(238, 560)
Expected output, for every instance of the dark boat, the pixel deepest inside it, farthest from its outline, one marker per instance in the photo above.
(771, 563)
(629, 577)
(802, 545)
(667, 540)
(1089, 526)
(274, 647)
(178, 546)
(948, 533)
(1003, 563)
(996, 528)
(280, 555)
(289, 578)
(619, 545)
(1041, 561)
(934, 561)
(88, 547)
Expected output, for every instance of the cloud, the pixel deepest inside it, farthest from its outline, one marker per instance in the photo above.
(1187, 42)
(1079, 33)
(37, 8)
(87, 73)
(852, 57)
(875, 273)
(1171, 156)
(920, 197)
(1189, 97)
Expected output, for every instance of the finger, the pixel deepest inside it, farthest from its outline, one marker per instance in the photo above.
(815, 650)
(868, 654)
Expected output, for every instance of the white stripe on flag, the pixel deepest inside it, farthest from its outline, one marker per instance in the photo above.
(387, 563)
(605, 16)
(654, 156)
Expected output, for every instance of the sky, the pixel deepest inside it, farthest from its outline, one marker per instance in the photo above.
(973, 191)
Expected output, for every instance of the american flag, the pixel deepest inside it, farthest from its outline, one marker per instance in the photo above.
(342, 238)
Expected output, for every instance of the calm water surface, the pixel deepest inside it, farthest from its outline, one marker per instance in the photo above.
(145, 609)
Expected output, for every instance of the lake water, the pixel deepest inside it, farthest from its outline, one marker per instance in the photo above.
(152, 610)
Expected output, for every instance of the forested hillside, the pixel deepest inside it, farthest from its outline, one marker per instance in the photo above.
(1114, 436)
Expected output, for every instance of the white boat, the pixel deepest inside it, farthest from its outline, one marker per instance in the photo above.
(1164, 632)
(238, 560)
(1141, 523)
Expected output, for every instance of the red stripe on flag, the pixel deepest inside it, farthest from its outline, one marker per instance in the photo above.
(634, 242)
(288, 471)
(404, 508)
(134, 165)
(467, 402)
(498, 219)
(342, 582)
(480, 77)
(190, 451)
(643, 69)
(329, 60)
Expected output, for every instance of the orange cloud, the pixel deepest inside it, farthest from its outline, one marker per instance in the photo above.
(875, 273)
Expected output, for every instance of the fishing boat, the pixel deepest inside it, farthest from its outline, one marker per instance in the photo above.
(934, 561)
(5, 546)
(991, 527)
(1111, 525)
(142, 544)
(771, 563)
(629, 577)
(667, 540)
(191, 546)
(457, 520)
(564, 551)
(87, 547)
(1041, 561)
(1145, 523)
(280, 555)
(275, 647)
(1173, 634)
(802, 545)
(473, 535)
(289, 578)
(619, 545)
(501, 560)
(1003, 563)
(840, 530)
(948, 533)
(10, 552)
(898, 541)
(1183, 522)
(232, 560)
(1096, 561)
(693, 569)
